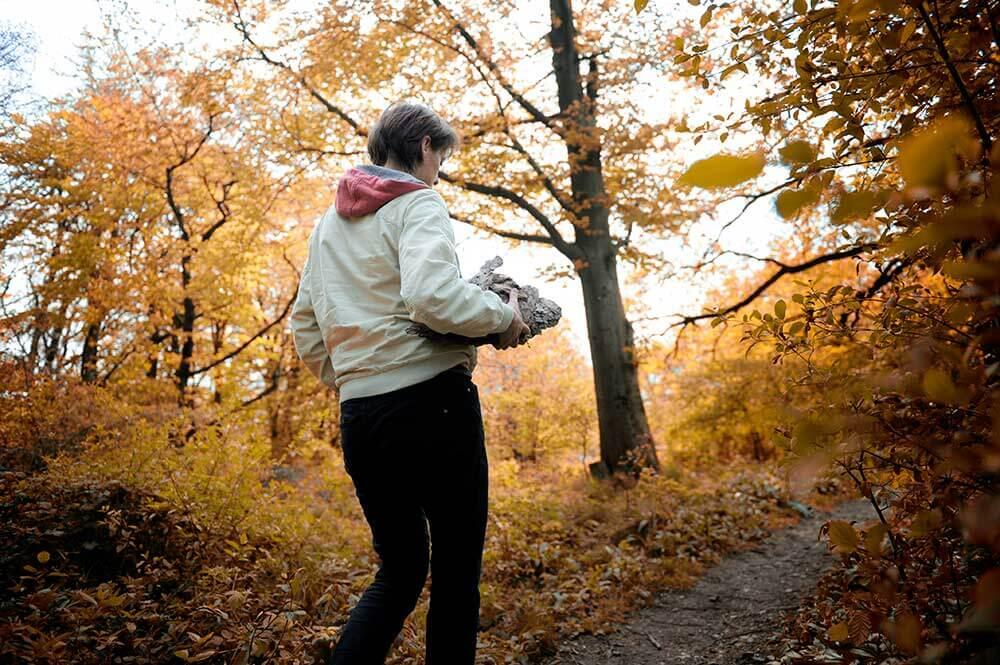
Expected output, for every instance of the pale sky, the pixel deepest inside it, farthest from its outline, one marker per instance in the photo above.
(58, 26)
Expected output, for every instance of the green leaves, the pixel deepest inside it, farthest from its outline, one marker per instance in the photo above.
(723, 170)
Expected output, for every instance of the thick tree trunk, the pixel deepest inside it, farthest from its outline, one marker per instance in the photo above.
(620, 411)
(625, 439)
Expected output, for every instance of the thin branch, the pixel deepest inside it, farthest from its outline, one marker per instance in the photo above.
(545, 240)
(251, 340)
(259, 396)
(571, 251)
(186, 158)
(532, 110)
(316, 94)
(786, 270)
(984, 136)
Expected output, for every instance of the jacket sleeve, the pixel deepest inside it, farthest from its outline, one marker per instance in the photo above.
(306, 332)
(430, 282)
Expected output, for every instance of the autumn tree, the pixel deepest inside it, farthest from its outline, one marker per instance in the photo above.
(557, 148)
(157, 244)
(882, 119)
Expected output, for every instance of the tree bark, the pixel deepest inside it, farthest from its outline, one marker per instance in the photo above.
(621, 413)
(626, 442)
(88, 357)
(185, 321)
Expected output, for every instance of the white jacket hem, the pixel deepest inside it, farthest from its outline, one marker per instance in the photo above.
(413, 372)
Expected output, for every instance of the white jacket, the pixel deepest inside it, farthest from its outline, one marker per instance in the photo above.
(371, 274)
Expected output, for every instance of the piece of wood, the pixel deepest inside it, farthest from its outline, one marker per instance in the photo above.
(538, 313)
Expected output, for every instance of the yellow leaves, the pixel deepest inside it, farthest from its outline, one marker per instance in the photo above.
(797, 152)
(707, 16)
(929, 158)
(838, 632)
(800, 7)
(43, 557)
(779, 309)
(874, 538)
(853, 205)
(738, 67)
(723, 170)
(842, 536)
(856, 11)
(640, 5)
(939, 387)
(907, 31)
(790, 201)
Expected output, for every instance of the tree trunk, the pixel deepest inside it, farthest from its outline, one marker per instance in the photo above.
(620, 411)
(185, 321)
(621, 415)
(88, 357)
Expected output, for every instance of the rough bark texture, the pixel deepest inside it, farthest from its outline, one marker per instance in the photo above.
(538, 313)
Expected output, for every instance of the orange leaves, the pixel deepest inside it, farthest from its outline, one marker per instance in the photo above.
(839, 632)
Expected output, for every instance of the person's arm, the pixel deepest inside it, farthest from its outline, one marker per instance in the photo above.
(430, 283)
(306, 333)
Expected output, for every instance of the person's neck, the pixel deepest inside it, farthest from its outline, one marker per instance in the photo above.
(393, 165)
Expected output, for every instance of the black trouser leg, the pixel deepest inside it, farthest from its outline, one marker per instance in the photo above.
(418, 455)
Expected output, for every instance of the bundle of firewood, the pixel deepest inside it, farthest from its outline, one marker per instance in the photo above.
(538, 313)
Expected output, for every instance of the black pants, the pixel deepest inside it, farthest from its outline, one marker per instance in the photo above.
(417, 457)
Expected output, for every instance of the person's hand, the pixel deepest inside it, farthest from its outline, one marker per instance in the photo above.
(511, 337)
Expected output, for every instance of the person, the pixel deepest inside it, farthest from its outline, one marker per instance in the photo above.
(382, 257)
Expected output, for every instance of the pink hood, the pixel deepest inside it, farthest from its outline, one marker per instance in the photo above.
(364, 189)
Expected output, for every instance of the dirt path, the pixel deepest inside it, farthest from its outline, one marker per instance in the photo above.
(729, 616)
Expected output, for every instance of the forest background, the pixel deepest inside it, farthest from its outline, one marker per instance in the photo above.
(164, 487)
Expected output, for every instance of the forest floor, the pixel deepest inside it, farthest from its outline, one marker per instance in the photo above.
(733, 614)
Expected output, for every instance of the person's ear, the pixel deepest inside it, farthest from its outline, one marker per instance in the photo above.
(425, 146)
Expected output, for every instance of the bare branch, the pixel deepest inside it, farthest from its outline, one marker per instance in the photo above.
(251, 340)
(571, 251)
(532, 110)
(185, 158)
(545, 240)
(316, 94)
(984, 136)
(785, 270)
